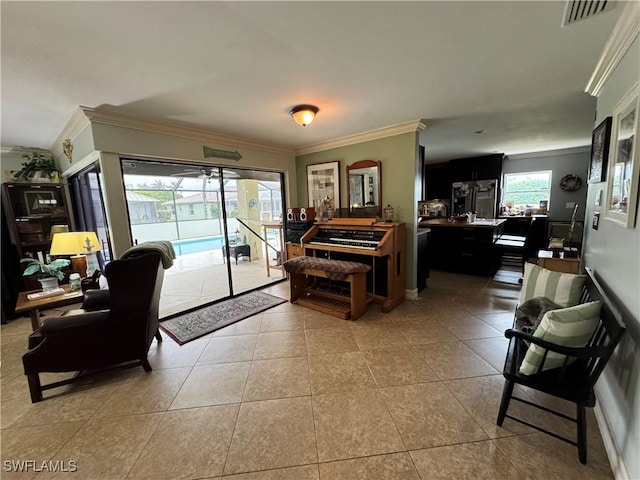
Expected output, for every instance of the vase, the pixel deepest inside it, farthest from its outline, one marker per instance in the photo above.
(48, 283)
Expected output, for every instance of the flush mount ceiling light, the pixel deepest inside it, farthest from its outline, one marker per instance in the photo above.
(304, 114)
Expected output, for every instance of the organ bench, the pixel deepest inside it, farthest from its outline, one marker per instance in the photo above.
(319, 284)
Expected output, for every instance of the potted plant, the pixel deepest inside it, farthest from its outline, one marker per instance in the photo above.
(38, 167)
(51, 272)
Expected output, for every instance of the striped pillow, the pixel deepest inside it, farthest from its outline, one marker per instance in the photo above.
(561, 288)
(569, 327)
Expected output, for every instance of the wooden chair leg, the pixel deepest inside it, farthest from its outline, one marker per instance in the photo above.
(504, 404)
(35, 388)
(582, 434)
(158, 336)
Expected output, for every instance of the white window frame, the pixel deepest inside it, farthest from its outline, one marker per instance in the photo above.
(505, 191)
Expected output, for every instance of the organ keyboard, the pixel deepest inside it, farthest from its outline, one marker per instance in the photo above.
(379, 245)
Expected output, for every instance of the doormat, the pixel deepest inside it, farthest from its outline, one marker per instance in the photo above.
(205, 320)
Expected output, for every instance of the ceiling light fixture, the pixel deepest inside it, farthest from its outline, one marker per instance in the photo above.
(304, 114)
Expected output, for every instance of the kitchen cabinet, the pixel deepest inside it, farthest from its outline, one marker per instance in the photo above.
(486, 167)
(438, 181)
(423, 257)
(31, 210)
(464, 247)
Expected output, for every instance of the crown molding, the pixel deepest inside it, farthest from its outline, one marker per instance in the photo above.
(21, 150)
(103, 117)
(622, 36)
(550, 153)
(74, 127)
(413, 126)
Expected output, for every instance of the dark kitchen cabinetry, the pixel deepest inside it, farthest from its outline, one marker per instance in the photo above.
(486, 167)
(438, 181)
(423, 258)
(31, 209)
(464, 249)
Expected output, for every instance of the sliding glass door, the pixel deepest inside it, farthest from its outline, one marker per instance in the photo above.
(213, 217)
(90, 211)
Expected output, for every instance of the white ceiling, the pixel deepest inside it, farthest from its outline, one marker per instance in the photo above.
(238, 67)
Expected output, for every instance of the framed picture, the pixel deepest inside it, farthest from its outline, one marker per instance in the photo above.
(323, 181)
(622, 180)
(39, 202)
(600, 151)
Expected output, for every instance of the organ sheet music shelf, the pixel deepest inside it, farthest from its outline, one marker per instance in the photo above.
(377, 244)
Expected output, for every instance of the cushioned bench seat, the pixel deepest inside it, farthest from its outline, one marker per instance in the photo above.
(324, 296)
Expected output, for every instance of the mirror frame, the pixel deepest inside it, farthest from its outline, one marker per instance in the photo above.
(366, 164)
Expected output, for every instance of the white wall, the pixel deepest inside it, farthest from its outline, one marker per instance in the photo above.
(614, 253)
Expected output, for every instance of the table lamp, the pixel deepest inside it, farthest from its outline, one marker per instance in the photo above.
(82, 246)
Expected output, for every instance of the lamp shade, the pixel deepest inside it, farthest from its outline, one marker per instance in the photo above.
(74, 243)
(58, 229)
(304, 114)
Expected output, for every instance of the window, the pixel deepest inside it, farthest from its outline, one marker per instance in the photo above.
(526, 189)
(192, 210)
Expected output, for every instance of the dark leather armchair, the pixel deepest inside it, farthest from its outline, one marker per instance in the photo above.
(114, 328)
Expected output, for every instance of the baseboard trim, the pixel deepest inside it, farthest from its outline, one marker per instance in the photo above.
(618, 467)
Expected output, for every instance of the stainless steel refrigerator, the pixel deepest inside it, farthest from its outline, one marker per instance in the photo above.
(476, 196)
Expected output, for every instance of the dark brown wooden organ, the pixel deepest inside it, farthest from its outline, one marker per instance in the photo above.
(377, 244)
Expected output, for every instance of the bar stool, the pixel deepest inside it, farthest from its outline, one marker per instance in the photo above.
(512, 252)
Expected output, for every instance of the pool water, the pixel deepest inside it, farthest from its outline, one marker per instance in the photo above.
(204, 244)
(196, 245)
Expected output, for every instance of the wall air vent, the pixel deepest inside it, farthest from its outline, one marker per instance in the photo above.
(576, 10)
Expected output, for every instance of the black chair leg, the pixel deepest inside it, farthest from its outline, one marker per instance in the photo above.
(158, 336)
(504, 404)
(35, 388)
(146, 365)
(582, 434)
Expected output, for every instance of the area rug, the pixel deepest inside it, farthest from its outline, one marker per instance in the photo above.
(205, 320)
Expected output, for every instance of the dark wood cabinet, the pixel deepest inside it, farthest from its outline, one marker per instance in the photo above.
(486, 167)
(31, 209)
(438, 181)
(464, 249)
(423, 259)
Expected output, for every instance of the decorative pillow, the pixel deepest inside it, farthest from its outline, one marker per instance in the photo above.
(569, 327)
(561, 288)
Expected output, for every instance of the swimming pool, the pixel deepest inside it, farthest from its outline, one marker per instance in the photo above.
(196, 245)
(204, 244)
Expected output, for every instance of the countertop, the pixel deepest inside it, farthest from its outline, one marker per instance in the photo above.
(443, 222)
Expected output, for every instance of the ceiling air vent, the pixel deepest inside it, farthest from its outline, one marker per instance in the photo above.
(576, 10)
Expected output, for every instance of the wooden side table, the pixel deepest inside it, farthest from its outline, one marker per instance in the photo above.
(24, 305)
(280, 252)
(559, 263)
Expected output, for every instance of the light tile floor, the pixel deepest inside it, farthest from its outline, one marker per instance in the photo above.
(294, 394)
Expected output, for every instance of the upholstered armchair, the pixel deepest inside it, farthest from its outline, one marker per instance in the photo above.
(114, 328)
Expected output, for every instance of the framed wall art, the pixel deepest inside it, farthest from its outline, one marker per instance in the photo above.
(600, 140)
(622, 180)
(39, 202)
(323, 181)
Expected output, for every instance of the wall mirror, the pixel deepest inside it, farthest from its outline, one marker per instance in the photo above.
(365, 186)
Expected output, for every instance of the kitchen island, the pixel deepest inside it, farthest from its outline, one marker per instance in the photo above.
(464, 247)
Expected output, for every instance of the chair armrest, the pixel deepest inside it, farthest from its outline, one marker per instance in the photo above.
(96, 300)
(579, 352)
(65, 325)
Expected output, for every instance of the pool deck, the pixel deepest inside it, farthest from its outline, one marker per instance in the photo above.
(199, 278)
